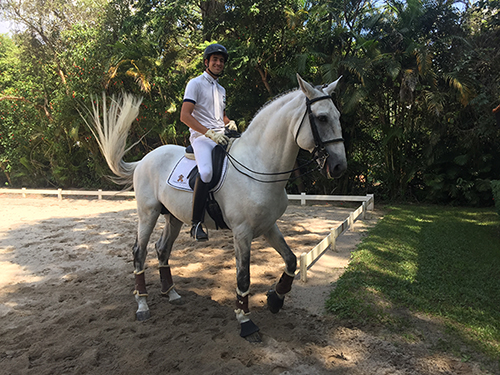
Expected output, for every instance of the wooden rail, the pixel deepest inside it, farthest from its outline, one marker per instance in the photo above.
(60, 192)
(307, 259)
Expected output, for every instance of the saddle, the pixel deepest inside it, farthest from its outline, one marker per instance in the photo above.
(218, 156)
(219, 166)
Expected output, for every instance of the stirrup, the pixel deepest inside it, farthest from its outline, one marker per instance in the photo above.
(197, 232)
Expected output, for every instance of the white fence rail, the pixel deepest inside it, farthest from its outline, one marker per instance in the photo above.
(306, 259)
(309, 258)
(60, 192)
(100, 193)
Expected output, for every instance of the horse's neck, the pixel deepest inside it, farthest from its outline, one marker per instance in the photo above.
(268, 143)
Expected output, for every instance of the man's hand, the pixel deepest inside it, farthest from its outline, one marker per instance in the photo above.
(218, 138)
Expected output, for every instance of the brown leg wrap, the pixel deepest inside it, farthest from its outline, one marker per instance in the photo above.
(285, 284)
(166, 279)
(140, 284)
(242, 303)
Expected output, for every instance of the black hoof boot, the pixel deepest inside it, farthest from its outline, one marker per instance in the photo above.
(198, 233)
(274, 301)
(250, 332)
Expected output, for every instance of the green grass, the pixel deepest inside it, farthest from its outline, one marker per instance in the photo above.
(441, 261)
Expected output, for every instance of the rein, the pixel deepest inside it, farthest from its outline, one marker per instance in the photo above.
(319, 153)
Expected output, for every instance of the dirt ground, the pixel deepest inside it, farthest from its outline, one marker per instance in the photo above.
(66, 303)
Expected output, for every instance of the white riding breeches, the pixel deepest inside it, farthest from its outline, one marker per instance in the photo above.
(203, 147)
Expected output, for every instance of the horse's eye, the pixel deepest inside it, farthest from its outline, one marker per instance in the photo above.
(323, 119)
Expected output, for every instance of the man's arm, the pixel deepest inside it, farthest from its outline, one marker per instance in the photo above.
(226, 119)
(188, 119)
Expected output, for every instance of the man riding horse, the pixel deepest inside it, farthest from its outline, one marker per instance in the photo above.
(203, 110)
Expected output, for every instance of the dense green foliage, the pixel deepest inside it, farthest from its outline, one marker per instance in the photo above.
(442, 262)
(495, 188)
(420, 79)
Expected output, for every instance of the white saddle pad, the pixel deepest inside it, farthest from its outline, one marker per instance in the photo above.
(178, 179)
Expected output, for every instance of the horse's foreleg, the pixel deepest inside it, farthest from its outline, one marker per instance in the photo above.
(276, 297)
(242, 248)
(163, 250)
(147, 221)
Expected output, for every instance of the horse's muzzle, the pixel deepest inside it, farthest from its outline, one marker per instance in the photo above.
(334, 168)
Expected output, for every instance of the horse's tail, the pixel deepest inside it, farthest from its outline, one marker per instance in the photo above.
(111, 133)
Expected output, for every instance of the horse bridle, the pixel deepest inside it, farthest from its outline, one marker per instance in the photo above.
(319, 153)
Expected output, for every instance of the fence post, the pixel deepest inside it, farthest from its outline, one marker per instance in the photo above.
(302, 199)
(303, 267)
(364, 210)
(59, 194)
(99, 195)
(24, 192)
(371, 202)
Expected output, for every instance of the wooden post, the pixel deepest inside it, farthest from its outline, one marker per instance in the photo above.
(333, 234)
(302, 199)
(24, 192)
(371, 202)
(99, 195)
(303, 267)
(364, 211)
(59, 194)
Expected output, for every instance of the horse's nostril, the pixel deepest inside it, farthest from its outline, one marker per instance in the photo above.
(339, 169)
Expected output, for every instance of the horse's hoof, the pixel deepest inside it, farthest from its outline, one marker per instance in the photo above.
(173, 297)
(250, 331)
(143, 315)
(274, 301)
(254, 338)
(177, 302)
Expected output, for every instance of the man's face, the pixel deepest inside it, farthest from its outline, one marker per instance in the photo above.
(216, 63)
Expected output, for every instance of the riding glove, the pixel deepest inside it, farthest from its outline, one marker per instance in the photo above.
(231, 125)
(218, 138)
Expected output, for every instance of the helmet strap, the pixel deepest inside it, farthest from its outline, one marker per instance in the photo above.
(213, 74)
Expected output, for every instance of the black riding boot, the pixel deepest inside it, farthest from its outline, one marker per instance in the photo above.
(200, 195)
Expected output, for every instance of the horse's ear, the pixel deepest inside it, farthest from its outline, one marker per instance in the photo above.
(305, 87)
(331, 87)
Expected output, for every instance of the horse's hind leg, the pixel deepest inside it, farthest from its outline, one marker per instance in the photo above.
(163, 250)
(147, 221)
(275, 298)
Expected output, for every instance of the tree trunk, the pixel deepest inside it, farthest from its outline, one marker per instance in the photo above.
(263, 76)
(212, 12)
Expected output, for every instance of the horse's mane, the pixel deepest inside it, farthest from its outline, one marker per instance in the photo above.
(272, 101)
(278, 97)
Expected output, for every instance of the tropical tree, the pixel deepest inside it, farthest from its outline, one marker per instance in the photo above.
(420, 79)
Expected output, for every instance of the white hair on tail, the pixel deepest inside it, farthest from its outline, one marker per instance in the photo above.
(111, 133)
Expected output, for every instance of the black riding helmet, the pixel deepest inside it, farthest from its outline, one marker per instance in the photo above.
(215, 48)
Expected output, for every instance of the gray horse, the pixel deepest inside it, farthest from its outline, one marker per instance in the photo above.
(250, 202)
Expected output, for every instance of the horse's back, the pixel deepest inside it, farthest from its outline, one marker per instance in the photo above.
(152, 172)
(161, 160)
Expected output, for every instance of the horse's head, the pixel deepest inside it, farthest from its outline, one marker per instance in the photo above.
(319, 131)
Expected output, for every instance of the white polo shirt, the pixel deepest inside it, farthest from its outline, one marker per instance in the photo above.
(209, 99)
